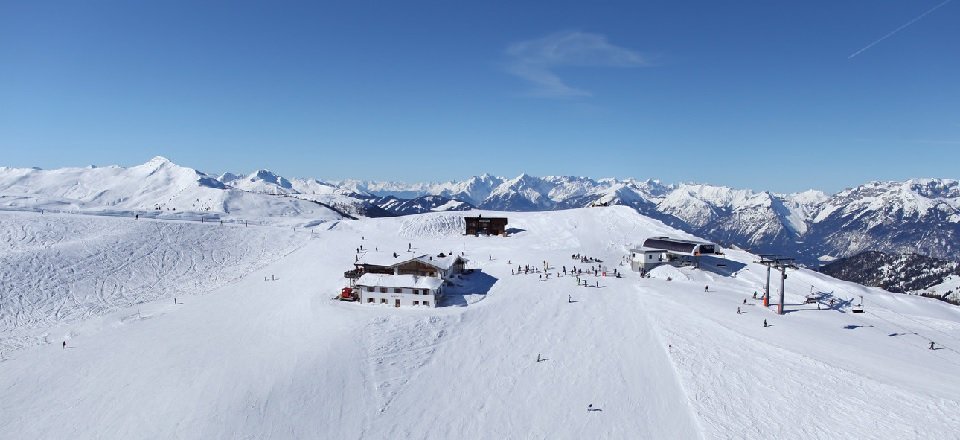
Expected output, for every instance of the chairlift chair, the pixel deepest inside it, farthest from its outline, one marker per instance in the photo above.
(859, 307)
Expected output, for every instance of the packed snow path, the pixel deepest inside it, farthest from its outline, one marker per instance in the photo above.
(654, 358)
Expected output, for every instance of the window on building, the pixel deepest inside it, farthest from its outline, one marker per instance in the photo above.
(369, 289)
(426, 303)
(383, 300)
(416, 303)
(383, 290)
(397, 290)
(370, 300)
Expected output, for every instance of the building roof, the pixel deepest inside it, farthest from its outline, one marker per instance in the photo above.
(384, 259)
(644, 249)
(680, 240)
(442, 263)
(482, 217)
(410, 281)
(679, 246)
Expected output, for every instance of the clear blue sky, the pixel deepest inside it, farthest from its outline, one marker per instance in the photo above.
(758, 94)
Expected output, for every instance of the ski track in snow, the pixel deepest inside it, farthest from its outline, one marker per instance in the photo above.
(65, 268)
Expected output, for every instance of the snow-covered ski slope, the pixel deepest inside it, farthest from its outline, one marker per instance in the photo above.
(58, 268)
(655, 358)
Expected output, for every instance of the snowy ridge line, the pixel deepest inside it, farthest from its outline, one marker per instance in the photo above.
(919, 215)
(179, 216)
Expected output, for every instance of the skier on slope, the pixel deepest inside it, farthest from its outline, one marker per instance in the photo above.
(765, 323)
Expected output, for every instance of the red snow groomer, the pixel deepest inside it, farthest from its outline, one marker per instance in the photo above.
(346, 294)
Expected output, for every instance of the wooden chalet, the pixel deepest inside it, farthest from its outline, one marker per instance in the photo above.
(486, 225)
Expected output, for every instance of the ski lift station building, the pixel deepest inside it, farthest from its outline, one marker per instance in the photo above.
(665, 250)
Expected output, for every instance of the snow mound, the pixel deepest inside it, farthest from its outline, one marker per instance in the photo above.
(668, 272)
(432, 226)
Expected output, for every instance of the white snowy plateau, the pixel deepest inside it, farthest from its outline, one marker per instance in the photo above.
(163, 327)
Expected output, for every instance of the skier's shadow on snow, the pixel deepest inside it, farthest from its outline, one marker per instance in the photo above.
(855, 326)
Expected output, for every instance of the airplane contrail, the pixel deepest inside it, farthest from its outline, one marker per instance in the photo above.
(898, 29)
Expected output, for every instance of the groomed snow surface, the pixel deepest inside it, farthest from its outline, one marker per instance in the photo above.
(256, 348)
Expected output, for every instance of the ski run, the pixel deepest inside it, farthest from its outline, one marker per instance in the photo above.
(115, 327)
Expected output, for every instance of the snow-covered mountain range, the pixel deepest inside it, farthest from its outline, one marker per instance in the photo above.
(921, 215)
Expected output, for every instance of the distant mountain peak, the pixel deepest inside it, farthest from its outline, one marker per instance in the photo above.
(159, 160)
(270, 177)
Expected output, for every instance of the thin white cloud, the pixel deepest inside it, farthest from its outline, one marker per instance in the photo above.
(536, 60)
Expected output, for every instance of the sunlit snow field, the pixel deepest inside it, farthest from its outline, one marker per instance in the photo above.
(242, 357)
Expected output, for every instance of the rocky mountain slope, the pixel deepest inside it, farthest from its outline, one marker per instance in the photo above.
(892, 272)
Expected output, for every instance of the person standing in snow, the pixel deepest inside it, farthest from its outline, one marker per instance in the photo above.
(744, 301)
(65, 345)
(764, 323)
(738, 310)
(931, 344)
(706, 288)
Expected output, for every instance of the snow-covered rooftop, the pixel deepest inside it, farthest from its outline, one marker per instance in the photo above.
(445, 262)
(411, 281)
(385, 259)
(646, 249)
